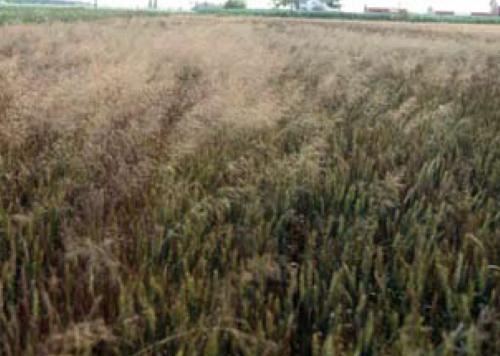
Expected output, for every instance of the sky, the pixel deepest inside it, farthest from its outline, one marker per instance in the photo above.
(459, 6)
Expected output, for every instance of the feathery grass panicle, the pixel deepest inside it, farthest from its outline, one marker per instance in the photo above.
(197, 185)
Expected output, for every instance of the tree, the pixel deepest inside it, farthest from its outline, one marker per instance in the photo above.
(235, 4)
(203, 6)
(283, 3)
(334, 4)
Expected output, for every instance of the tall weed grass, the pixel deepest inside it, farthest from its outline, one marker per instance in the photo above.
(221, 186)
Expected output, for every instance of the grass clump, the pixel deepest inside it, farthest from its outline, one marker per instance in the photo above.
(265, 193)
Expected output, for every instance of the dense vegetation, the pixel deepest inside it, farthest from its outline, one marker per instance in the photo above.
(242, 187)
(47, 2)
(40, 14)
(410, 17)
(235, 4)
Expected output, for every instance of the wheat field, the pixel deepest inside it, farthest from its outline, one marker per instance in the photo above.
(222, 186)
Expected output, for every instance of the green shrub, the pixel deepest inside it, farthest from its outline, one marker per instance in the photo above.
(235, 4)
